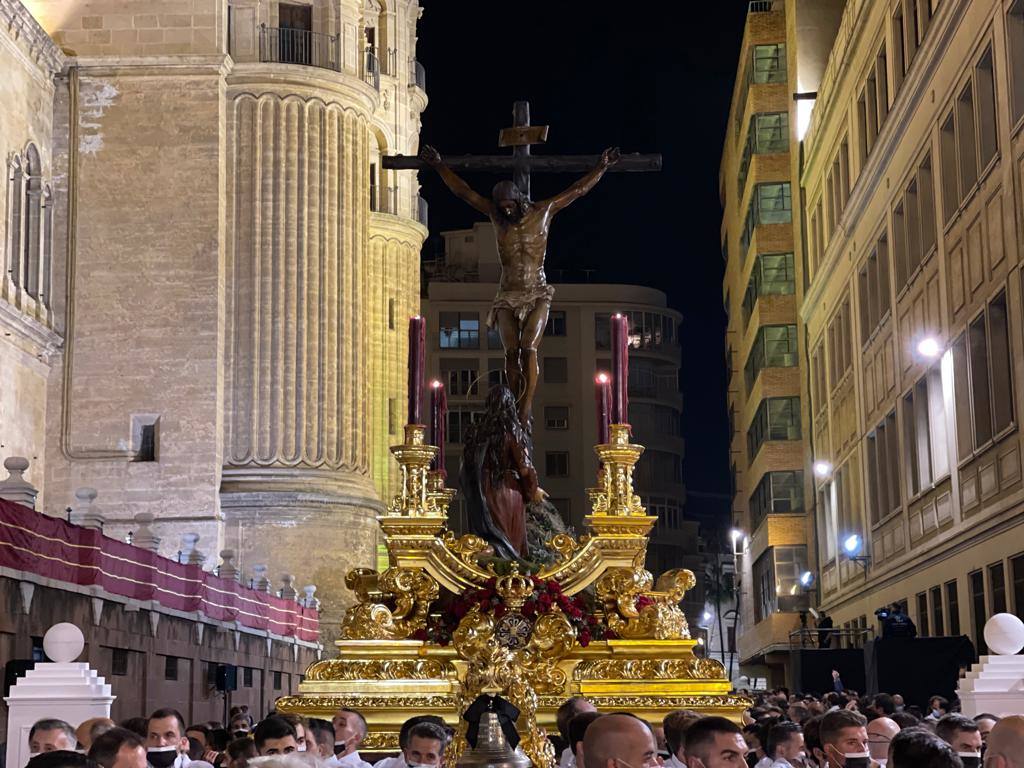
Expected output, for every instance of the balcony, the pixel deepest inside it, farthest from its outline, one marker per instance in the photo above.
(299, 46)
(422, 211)
(280, 45)
(384, 199)
(766, 6)
(418, 76)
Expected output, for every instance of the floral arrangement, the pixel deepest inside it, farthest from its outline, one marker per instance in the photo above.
(547, 596)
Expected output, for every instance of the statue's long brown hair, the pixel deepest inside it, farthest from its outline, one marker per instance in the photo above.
(499, 421)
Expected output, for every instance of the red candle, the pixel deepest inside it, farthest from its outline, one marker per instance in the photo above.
(603, 399)
(620, 369)
(438, 425)
(417, 363)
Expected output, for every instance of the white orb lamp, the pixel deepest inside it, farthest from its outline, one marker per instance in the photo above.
(64, 642)
(1004, 634)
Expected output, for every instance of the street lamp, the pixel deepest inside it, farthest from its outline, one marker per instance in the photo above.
(823, 468)
(853, 545)
(929, 348)
(806, 579)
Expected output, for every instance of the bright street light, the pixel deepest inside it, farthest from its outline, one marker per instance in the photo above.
(707, 616)
(806, 579)
(822, 468)
(929, 347)
(852, 544)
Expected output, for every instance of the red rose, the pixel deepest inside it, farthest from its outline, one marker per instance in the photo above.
(530, 609)
(460, 609)
(419, 634)
(585, 638)
(486, 594)
(554, 586)
(500, 610)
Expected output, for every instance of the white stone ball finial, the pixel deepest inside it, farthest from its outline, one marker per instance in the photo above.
(1004, 634)
(64, 642)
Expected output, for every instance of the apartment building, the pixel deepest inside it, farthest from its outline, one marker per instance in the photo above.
(911, 188)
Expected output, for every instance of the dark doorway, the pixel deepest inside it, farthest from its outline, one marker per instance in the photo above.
(295, 33)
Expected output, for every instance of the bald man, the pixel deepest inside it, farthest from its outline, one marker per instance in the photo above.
(1005, 746)
(880, 733)
(619, 741)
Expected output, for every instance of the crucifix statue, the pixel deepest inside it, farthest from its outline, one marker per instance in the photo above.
(520, 308)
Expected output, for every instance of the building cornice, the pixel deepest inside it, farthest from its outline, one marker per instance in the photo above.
(258, 78)
(870, 180)
(42, 342)
(21, 27)
(392, 227)
(198, 65)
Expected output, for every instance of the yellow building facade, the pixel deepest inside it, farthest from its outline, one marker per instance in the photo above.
(911, 184)
(784, 48)
(231, 268)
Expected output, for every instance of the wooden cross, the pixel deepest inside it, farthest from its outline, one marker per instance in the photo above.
(522, 163)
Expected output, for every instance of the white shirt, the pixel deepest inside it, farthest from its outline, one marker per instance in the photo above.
(398, 761)
(674, 762)
(352, 760)
(568, 759)
(764, 762)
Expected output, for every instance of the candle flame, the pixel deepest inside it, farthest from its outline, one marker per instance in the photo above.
(435, 384)
(602, 378)
(618, 314)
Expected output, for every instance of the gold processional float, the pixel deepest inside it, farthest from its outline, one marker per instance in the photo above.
(438, 628)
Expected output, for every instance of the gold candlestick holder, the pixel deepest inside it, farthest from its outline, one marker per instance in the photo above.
(414, 457)
(439, 496)
(618, 457)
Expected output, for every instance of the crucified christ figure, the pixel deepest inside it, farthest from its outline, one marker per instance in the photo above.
(521, 226)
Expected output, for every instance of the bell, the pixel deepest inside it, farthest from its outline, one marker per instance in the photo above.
(492, 749)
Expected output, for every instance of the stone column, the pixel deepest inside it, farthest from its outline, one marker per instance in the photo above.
(297, 389)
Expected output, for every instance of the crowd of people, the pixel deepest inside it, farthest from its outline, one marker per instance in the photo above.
(781, 730)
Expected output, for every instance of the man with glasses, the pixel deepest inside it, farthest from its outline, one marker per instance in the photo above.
(881, 731)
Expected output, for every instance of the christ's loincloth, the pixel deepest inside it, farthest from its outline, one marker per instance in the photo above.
(522, 303)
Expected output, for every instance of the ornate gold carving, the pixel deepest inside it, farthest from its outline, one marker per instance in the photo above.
(519, 674)
(311, 704)
(410, 590)
(649, 669)
(381, 669)
(700, 703)
(467, 548)
(631, 611)
(414, 457)
(439, 498)
(564, 546)
(618, 457)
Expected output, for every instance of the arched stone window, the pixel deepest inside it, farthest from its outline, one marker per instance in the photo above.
(32, 225)
(12, 249)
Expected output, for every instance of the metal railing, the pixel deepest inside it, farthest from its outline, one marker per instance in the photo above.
(371, 70)
(280, 45)
(384, 199)
(766, 6)
(421, 211)
(833, 638)
(418, 76)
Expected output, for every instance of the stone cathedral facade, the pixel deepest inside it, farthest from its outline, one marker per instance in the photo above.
(206, 271)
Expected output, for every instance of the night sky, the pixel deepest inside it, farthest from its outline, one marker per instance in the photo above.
(658, 80)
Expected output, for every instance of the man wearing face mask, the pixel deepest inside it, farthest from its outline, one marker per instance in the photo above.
(426, 746)
(785, 745)
(619, 741)
(166, 742)
(920, 748)
(714, 742)
(844, 739)
(881, 731)
(963, 735)
(239, 727)
(349, 732)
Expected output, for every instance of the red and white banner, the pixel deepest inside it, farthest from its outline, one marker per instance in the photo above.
(54, 549)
